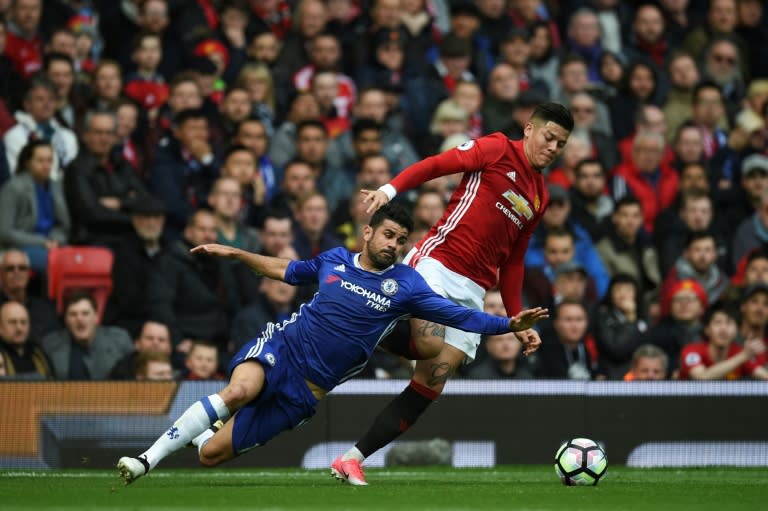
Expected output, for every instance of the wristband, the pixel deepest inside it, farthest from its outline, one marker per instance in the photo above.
(388, 190)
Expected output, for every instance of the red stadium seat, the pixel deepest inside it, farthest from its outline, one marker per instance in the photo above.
(76, 267)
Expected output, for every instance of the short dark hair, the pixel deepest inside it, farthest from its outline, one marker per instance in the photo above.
(684, 126)
(757, 253)
(293, 162)
(720, 306)
(693, 194)
(310, 123)
(236, 148)
(702, 85)
(278, 213)
(694, 236)
(588, 161)
(394, 212)
(571, 301)
(235, 88)
(250, 118)
(78, 295)
(692, 164)
(39, 81)
(138, 40)
(622, 278)
(183, 77)
(362, 125)
(554, 112)
(189, 114)
(57, 56)
(192, 218)
(370, 156)
(559, 232)
(28, 151)
(570, 58)
(627, 200)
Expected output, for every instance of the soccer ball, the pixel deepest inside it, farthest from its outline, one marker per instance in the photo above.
(580, 462)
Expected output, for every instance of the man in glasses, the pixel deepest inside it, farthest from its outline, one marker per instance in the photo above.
(722, 66)
(14, 284)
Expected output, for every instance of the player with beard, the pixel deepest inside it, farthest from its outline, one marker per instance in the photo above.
(276, 380)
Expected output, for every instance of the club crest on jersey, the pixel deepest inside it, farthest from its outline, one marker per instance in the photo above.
(512, 175)
(466, 146)
(270, 358)
(389, 286)
(519, 204)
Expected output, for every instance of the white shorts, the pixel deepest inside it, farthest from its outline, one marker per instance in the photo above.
(458, 289)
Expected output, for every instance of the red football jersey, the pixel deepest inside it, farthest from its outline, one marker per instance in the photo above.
(26, 54)
(697, 354)
(491, 216)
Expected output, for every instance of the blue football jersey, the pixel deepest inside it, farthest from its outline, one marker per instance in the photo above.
(331, 338)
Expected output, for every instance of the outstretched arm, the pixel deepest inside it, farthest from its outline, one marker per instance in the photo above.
(468, 157)
(272, 267)
(426, 304)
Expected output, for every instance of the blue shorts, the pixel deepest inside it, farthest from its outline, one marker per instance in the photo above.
(284, 403)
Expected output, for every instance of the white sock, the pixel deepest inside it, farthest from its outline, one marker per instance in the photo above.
(353, 454)
(200, 440)
(194, 421)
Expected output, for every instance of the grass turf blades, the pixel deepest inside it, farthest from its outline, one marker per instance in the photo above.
(422, 488)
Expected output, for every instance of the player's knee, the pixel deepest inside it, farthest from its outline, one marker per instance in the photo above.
(209, 456)
(207, 461)
(426, 347)
(235, 395)
(427, 340)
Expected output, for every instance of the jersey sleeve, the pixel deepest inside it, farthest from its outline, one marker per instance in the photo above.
(302, 272)
(468, 157)
(689, 358)
(426, 304)
(306, 272)
(753, 363)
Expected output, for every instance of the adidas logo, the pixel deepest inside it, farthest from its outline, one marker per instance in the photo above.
(512, 175)
(339, 267)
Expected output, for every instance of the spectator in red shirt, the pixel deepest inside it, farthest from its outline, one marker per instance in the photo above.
(719, 357)
(147, 86)
(647, 177)
(754, 313)
(23, 44)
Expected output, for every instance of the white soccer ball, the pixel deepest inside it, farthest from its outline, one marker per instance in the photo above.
(580, 462)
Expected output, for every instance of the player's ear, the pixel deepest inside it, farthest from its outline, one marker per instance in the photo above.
(367, 232)
(528, 129)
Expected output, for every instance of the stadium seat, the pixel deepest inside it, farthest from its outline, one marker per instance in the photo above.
(77, 267)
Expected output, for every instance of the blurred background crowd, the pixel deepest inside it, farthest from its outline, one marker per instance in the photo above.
(149, 126)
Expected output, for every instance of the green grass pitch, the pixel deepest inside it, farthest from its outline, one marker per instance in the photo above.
(509, 488)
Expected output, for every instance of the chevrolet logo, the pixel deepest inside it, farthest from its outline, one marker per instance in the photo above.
(519, 204)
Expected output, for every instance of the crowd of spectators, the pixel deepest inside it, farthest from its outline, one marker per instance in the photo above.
(151, 126)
